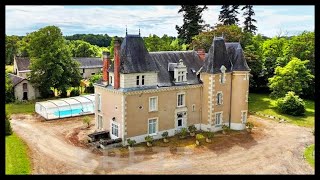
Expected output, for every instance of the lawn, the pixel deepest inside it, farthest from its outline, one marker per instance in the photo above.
(23, 107)
(308, 155)
(17, 160)
(262, 103)
(9, 68)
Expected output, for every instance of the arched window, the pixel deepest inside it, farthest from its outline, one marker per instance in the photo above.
(219, 98)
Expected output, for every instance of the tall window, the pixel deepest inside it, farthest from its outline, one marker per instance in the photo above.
(218, 118)
(110, 80)
(138, 77)
(222, 78)
(219, 98)
(181, 100)
(100, 125)
(152, 126)
(25, 86)
(244, 117)
(99, 102)
(114, 130)
(153, 103)
(142, 80)
(181, 77)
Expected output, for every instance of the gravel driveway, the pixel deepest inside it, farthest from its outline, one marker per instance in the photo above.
(272, 148)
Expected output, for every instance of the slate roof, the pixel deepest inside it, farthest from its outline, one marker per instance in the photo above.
(89, 62)
(162, 59)
(217, 57)
(237, 58)
(134, 56)
(85, 62)
(15, 79)
(22, 63)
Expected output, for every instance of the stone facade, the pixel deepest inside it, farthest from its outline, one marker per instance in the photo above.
(88, 72)
(31, 92)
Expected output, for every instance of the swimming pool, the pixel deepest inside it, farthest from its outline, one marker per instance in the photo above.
(68, 113)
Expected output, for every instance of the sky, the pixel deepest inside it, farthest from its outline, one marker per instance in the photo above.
(159, 20)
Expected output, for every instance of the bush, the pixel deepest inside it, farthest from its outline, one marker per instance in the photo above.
(199, 137)
(183, 132)
(249, 125)
(74, 92)
(131, 142)
(291, 104)
(209, 134)
(225, 127)
(86, 120)
(7, 124)
(165, 134)
(192, 128)
(148, 138)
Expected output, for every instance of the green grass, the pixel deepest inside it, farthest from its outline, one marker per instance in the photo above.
(308, 154)
(17, 160)
(262, 103)
(9, 68)
(21, 107)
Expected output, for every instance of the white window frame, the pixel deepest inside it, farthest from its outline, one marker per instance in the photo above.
(183, 99)
(247, 96)
(242, 120)
(156, 128)
(221, 118)
(142, 80)
(138, 80)
(156, 104)
(111, 79)
(99, 102)
(219, 92)
(118, 128)
(100, 123)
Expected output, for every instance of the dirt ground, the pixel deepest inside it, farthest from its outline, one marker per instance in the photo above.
(58, 147)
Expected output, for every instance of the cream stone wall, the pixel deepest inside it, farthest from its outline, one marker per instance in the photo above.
(111, 106)
(129, 80)
(88, 71)
(33, 93)
(240, 87)
(137, 109)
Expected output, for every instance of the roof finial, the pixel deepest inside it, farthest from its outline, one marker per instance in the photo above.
(139, 31)
(126, 30)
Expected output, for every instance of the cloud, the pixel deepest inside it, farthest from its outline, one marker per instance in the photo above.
(151, 19)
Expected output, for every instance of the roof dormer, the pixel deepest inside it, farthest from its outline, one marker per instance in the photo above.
(179, 72)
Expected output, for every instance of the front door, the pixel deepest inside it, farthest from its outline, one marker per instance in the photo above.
(25, 96)
(180, 123)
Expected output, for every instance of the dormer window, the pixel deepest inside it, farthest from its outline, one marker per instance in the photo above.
(223, 75)
(138, 77)
(180, 71)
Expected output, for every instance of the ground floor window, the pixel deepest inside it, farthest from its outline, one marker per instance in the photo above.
(100, 125)
(115, 129)
(244, 117)
(218, 118)
(152, 126)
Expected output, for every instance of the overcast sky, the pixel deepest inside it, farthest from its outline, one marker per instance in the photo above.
(159, 20)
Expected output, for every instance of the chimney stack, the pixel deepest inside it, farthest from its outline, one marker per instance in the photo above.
(106, 64)
(201, 54)
(116, 63)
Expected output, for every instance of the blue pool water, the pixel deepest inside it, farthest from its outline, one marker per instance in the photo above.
(68, 112)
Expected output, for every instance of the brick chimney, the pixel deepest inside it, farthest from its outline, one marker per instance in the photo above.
(201, 54)
(106, 64)
(116, 64)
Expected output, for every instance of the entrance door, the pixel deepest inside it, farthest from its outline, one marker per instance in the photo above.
(179, 120)
(25, 96)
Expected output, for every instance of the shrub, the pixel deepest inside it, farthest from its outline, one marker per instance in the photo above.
(86, 120)
(131, 142)
(210, 134)
(7, 124)
(199, 137)
(148, 138)
(291, 104)
(192, 128)
(183, 132)
(249, 125)
(74, 92)
(165, 134)
(63, 94)
(225, 127)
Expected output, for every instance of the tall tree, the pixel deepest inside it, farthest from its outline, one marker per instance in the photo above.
(248, 22)
(51, 62)
(11, 48)
(228, 14)
(192, 22)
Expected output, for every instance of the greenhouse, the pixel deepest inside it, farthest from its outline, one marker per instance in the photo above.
(66, 107)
